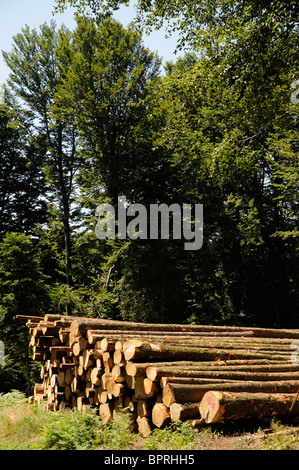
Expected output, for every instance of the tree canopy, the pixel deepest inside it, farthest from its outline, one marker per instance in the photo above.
(89, 116)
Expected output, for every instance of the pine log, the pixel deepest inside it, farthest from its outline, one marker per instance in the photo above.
(64, 405)
(98, 334)
(83, 343)
(61, 378)
(130, 382)
(169, 369)
(107, 344)
(38, 389)
(56, 317)
(88, 358)
(67, 392)
(75, 385)
(225, 374)
(134, 369)
(48, 328)
(143, 408)
(254, 344)
(95, 376)
(107, 360)
(88, 323)
(42, 341)
(62, 348)
(140, 393)
(118, 373)
(68, 376)
(128, 403)
(63, 334)
(56, 342)
(194, 380)
(83, 324)
(162, 352)
(144, 426)
(76, 349)
(118, 346)
(98, 354)
(118, 357)
(62, 322)
(160, 415)
(183, 393)
(183, 411)
(150, 387)
(118, 390)
(30, 317)
(217, 406)
(106, 411)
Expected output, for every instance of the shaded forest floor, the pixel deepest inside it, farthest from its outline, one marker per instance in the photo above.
(27, 427)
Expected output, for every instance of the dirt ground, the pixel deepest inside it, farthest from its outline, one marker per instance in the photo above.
(251, 435)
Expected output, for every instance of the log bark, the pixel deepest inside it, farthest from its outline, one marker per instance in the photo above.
(193, 380)
(183, 393)
(92, 334)
(218, 406)
(170, 369)
(61, 379)
(62, 348)
(30, 317)
(88, 323)
(182, 411)
(226, 374)
(254, 344)
(152, 351)
(82, 324)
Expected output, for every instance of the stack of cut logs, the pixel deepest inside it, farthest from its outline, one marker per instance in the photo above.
(164, 372)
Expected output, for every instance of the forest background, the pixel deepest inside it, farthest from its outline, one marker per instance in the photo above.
(90, 114)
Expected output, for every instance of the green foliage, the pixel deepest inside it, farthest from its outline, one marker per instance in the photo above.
(117, 434)
(105, 87)
(280, 439)
(20, 424)
(9, 400)
(178, 435)
(71, 431)
(23, 291)
(97, 120)
(23, 426)
(28, 427)
(38, 61)
(21, 181)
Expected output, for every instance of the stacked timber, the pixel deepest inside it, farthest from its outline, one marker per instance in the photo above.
(163, 372)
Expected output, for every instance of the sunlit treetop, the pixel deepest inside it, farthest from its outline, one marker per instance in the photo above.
(202, 23)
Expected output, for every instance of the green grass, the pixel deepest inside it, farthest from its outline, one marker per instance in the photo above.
(23, 426)
(179, 435)
(28, 427)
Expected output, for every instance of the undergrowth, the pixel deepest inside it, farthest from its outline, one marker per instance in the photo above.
(28, 427)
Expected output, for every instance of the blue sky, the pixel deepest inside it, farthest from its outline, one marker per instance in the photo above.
(15, 14)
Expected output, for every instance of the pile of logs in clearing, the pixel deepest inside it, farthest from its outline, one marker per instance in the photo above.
(164, 373)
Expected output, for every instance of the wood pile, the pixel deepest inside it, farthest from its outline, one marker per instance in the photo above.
(164, 373)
